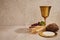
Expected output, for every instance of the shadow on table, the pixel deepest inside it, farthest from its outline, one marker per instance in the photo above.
(22, 30)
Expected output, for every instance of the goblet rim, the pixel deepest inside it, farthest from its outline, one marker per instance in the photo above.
(45, 6)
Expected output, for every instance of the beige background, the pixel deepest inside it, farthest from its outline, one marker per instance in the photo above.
(15, 15)
(26, 12)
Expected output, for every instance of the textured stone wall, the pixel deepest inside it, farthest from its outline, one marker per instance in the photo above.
(26, 12)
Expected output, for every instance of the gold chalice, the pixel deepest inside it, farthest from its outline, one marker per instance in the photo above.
(45, 12)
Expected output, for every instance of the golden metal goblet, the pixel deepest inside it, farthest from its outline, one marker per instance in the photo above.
(45, 12)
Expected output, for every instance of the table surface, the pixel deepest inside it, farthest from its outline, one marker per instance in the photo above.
(21, 33)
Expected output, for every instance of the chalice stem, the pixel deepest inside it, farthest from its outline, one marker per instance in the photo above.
(45, 21)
